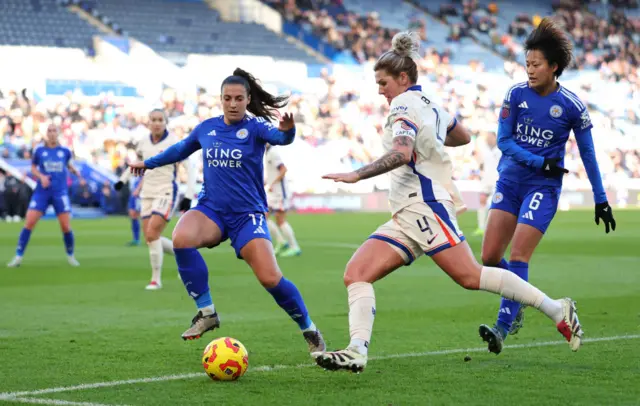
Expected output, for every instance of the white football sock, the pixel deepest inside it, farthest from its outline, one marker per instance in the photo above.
(482, 217)
(167, 246)
(207, 310)
(156, 256)
(275, 231)
(362, 310)
(289, 235)
(510, 286)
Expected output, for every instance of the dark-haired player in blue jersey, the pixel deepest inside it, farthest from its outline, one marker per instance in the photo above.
(51, 164)
(535, 121)
(133, 203)
(232, 202)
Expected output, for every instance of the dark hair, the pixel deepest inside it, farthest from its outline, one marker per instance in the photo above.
(549, 39)
(402, 56)
(158, 110)
(263, 104)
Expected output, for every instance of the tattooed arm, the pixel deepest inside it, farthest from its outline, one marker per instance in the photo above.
(399, 155)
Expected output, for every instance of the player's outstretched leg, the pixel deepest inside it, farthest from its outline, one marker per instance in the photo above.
(458, 262)
(196, 229)
(195, 276)
(259, 255)
(371, 262)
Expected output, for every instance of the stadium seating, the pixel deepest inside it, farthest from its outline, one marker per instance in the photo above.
(193, 27)
(43, 23)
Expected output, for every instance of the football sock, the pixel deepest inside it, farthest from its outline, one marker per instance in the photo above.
(167, 245)
(288, 297)
(23, 241)
(482, 217)
(509, 308)
(135, 229)
(68, 242)
(510, 286)
(289, 235)
(362, 311)
(156, 256)
(195, 277)
(275, 232)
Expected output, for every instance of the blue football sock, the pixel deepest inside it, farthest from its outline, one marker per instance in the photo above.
(135, 229)
(194, 274)
(288, 297)
(23, 241)
(509, 308)
(503, 264)
(68, 242)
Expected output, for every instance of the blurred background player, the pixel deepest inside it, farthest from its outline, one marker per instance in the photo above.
(424, 212)
(50, 165)
(133, 203)
(535, 121)
(489, 155)
(232, 202)
(279, 201)
(158, 194)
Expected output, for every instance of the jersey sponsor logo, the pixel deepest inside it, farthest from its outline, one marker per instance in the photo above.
(497, 197)
(505, 112)
(223, 157)
(242, 133)
(586, 120)
(53, 166)
(399, 109)
(555, 111)
(532, 135)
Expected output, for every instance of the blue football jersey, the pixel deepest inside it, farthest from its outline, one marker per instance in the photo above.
(232, 158)
(53, 162)
(533, 127)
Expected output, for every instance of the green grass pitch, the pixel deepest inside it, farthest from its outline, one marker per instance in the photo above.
(61, 327)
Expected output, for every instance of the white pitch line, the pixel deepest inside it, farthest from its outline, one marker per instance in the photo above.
(265, 368)
(41, 401)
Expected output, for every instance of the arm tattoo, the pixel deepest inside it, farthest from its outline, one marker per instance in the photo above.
(389, 161)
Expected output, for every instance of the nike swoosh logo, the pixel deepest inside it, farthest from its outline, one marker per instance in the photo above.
(429, 241)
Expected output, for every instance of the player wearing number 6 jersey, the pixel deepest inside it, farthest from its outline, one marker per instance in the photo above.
(51, 164)
(422, 202)
(535, 121)
(232, 202)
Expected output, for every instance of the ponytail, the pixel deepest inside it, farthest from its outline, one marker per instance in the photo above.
(263, 104)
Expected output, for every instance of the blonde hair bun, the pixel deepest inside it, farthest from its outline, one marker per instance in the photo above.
(406, 44)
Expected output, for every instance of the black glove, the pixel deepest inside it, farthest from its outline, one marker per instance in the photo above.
(119, 184)
(185, 204)
(551, 168)
(604, 212)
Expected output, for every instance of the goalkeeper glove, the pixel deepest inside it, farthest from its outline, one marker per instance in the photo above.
(603, 211)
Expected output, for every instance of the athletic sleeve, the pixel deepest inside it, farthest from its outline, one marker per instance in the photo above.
(268, 133)
(403, 119)
(177, 152)
(506, 129)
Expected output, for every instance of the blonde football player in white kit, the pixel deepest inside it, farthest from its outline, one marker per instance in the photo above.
(158, 194)
(490, 155)
(279, 201)
(423, 210)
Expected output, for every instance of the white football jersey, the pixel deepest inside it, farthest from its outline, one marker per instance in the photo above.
(161, 181)
(272, 162)
(428, 177)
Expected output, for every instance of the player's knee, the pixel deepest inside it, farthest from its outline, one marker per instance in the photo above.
(354, 272)
(182, 239)
(270, 279)
(469, 280)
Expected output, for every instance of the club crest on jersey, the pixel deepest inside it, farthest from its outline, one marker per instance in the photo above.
(242, 133)
(505, 111)
(60, 154)
(555, 111)
(497, 197)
